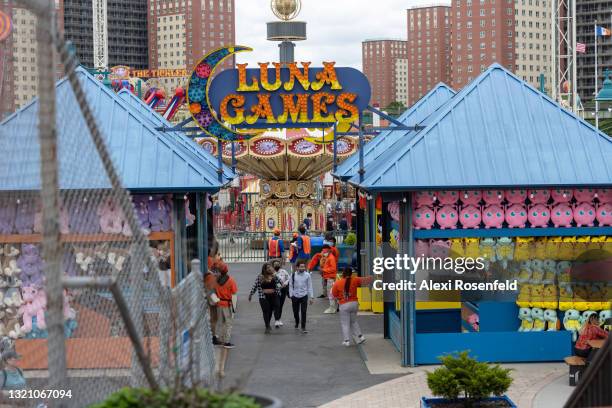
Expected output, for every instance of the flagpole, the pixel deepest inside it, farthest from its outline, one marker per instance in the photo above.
(596, 104)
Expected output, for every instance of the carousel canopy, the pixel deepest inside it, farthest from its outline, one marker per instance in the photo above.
(498, 131)
(281, 154)
(146, 160)
(180, 139)
(417, 113)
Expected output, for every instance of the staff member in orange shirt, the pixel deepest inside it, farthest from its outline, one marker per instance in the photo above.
(328, 265)
(345, 290)
(226, 290)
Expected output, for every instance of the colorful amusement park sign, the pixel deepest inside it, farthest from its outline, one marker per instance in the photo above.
(273, 95)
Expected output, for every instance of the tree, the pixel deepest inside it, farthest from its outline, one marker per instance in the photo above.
(395, 108)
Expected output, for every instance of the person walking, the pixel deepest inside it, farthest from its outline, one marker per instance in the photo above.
(328, 266)
(345, 291)
(210, 284)
(226, 291)
(300, 292)
(283, 277)
(267, 286)
(275, 246)
(303, 244)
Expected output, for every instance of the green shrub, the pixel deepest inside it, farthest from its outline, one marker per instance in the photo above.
(462, 376)
(351, 239)
(165, 398)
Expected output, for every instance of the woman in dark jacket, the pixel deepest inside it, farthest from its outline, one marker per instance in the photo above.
(268, 287)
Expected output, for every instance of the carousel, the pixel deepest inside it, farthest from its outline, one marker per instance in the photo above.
(289, 164)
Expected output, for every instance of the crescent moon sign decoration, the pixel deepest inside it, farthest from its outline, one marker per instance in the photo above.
(6, 26)
(197, 95)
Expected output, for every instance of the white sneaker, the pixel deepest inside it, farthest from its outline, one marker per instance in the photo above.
(361, 339)
(329, 310)
(346, 343)
(277, 324)
(280, 323)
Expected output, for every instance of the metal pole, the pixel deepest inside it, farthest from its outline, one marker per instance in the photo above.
(335, 147)
(595, 44)
(574, 81)
(361, 142)
(233, 158)
(220, 160)
(45, 32)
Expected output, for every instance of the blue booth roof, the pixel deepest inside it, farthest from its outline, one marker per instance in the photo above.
(498, 131)
(145, 159)
(157, 120)
(423, 108)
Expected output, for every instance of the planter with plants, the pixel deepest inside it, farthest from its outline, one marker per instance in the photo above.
(463, 382)
(347, 249)
(187, 397)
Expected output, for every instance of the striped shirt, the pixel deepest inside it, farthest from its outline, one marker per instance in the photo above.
(257, 286)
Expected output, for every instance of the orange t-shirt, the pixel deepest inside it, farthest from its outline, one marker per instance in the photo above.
(210, 281)
(226, 291)
(338, 288)
(330, 269)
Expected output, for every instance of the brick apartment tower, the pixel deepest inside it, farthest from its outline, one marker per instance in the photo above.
(382, 65)
(429, 31)
(483, 32)
(182, 31)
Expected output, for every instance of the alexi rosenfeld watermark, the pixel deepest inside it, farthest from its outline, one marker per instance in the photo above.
(444, 274)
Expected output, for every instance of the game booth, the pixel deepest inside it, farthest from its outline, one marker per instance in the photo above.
(169, 178)
(500, 171)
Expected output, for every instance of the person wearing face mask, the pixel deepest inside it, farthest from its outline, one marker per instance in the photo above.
(300, 292)
(328, 265)
(226, 291)
(267, 285)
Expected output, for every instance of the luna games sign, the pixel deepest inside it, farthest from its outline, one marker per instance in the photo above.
(274, 95)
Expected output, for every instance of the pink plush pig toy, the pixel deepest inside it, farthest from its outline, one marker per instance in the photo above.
(447, 217)
(561, 196)
(493, 216)
(470, 217)
(604, 214)
(516, 216)
(447, 197)
(538, 215)
(584, 214)
(538, 196)
(423, 217)
(562, 215)
(516, 196)
(585, 195)
(471, 197)
(493, 196)
(424, 198)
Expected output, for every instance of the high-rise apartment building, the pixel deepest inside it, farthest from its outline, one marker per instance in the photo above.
(7, 89)
(533, 42)
(126, 31)
(429, 31)
(482, 33)
(401, 81)
(587, 12)
(182, 31)
(379, 65)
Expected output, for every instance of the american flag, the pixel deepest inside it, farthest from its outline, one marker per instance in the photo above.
(581, 48)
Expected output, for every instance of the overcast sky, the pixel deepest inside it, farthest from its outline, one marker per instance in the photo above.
(335, 28)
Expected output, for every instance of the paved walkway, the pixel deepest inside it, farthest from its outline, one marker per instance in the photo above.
(302, 370)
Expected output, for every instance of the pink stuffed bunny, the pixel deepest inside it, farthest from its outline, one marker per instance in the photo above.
(35, 303)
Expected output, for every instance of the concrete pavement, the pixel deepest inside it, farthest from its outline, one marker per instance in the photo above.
(302, 370)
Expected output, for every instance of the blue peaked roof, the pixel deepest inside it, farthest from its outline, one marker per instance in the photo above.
(423, 108)
(146, 159)
(498, 131)
(156, 120)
